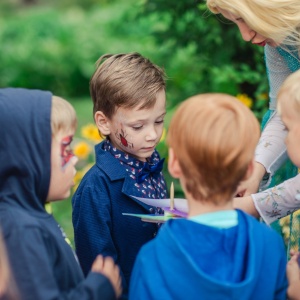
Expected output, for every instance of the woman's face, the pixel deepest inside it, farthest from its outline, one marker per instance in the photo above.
(247, 33)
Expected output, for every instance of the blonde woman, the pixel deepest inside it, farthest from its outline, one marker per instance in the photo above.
(274, 25)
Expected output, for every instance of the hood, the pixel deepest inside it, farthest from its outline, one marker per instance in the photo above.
(219, 262)
(25, 148)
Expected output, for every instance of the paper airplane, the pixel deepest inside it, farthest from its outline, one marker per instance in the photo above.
(180, 204)
(179, 210)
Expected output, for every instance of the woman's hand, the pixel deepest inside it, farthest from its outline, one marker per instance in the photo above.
(251, 185)
(246, 204)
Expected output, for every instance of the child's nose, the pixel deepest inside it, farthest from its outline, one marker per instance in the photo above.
(74, 160)
(152, 134)
(247, 33)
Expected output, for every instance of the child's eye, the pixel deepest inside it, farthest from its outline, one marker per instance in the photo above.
(159, 122)
(137, 127)
(66, 150)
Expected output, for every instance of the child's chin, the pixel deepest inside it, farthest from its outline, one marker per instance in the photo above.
(61, 197)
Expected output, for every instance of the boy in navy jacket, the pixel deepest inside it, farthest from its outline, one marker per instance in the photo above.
(128, 93)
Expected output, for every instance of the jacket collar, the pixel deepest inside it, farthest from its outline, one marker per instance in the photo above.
(112, 168)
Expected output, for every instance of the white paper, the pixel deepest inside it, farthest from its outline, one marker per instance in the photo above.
(180, 204)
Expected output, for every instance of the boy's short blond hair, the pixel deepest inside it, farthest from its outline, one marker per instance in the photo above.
(125, 80)
(290, 91)
(63, 116)
(213, 137)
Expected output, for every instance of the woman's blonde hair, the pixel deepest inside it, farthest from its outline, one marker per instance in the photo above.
(278, 20)
(63, 116)
(290, 91)
(213, 137)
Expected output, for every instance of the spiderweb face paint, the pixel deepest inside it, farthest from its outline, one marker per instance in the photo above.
(66, 150)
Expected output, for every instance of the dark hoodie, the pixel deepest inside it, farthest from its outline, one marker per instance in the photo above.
(188, 260)
(43, 264)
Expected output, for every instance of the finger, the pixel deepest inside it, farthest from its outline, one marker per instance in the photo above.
(98, 264)
(100, 259)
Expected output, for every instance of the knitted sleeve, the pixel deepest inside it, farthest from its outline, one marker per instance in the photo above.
(271, 149)
(279, 201)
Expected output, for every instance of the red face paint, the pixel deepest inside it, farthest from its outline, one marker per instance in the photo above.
(122, 138)
(66, 151)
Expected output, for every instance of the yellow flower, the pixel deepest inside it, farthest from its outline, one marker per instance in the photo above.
(263, 96)
(82, 150)
(90, 132)
(245, 100)
(163, 136)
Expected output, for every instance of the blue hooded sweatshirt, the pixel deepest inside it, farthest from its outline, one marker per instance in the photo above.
(43, 264)
(189, 260)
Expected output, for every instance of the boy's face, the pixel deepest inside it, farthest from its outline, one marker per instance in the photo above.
(138, 131)
(63, 164)
(291, 120)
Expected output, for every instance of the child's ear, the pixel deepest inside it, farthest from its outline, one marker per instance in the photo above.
(102, 122)
(173, 165)
(249, 170)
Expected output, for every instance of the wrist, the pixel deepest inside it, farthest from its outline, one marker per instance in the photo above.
(259, 171)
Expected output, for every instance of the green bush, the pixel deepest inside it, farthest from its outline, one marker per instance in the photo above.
(203, 52)
(57, 49)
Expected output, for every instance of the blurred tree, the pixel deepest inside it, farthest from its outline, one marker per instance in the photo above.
(56, 47)
(29, 2)
(85, 4)
(222, 62)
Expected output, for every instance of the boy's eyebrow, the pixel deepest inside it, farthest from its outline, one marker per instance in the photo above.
(163, 114)
(140, 120)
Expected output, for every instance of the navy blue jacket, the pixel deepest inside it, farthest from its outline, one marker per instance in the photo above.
(43, 264)
(99, 226)
(188, 260)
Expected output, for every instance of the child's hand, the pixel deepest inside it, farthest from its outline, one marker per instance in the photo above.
(107, 267)
(293, 274)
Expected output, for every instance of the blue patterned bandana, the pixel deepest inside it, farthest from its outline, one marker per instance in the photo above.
(147, 176)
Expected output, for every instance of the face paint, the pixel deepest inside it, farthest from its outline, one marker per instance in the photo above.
(122, 137)
(66, 151)
(137, 131)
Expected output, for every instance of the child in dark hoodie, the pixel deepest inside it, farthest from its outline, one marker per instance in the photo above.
(37, 165)
(217, 252)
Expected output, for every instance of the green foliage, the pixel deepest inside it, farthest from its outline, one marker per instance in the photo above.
(202, 52)
(55, 48)
(46, 49)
